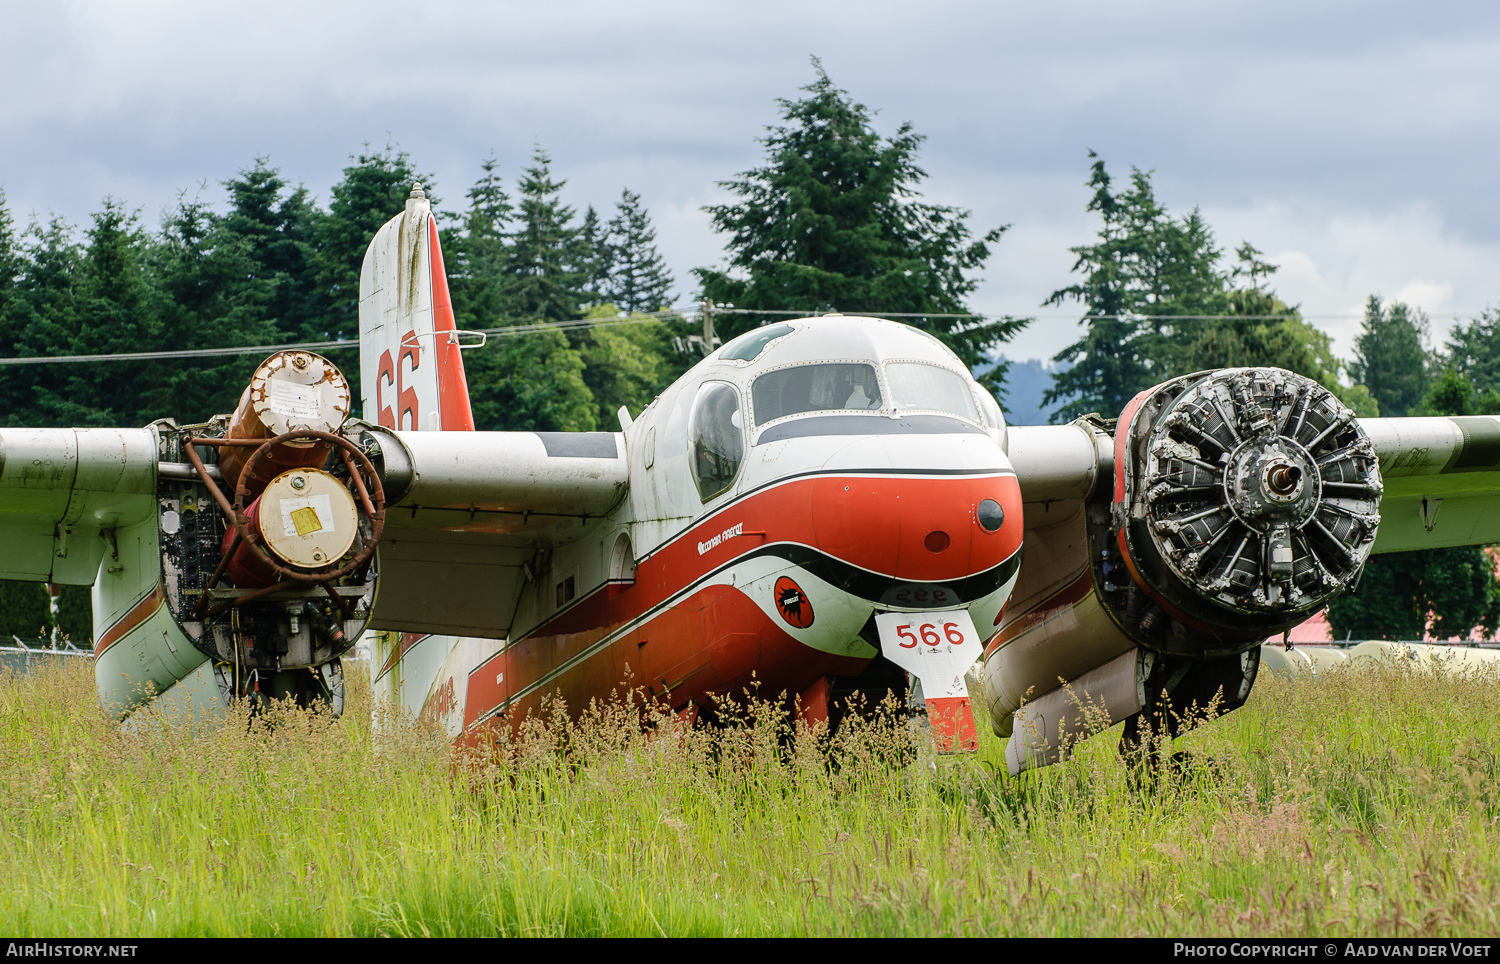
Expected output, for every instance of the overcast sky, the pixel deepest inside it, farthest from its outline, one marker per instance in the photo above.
(1354, 143)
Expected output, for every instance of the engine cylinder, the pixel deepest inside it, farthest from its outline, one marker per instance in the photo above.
(1245, 499)
(305, 518)
(290, 390)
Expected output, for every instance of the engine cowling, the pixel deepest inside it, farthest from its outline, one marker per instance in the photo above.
(1245, 500)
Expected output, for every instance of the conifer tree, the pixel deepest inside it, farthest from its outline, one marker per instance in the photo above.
(278, 227)
(112, 315)
(1390, 358)
(477, 253)
(1474, 351)
(373, 190)
(548, 261)
(209, 291)
(10, 261)
(834, 220)
(593, 241)
(637, 278)
(533, 381)
(40, 321)
(12, 316)
(1143, 263)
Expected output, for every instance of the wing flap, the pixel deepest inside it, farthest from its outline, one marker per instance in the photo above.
(479, 515)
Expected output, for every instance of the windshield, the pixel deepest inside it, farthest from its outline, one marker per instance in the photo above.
(815, 388)
(918, 387)
(746, 347)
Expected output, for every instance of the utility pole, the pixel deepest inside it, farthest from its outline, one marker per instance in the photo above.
(710, 340)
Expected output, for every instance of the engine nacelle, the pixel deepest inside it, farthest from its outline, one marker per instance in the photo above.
(1245, 499)
(269, 520)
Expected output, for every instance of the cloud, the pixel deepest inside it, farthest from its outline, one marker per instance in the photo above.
(1353, 142)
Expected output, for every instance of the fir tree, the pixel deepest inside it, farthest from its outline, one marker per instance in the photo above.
(1144, 263)
(110, 314)
(10, 260)
(548, 263)
(637, 278)
(209, 292)
(1474, 351)
(477, 253)
(374, 189)
(593, 242)
(1390, 358)
(278, 227)
(833, 220)
(40, 321)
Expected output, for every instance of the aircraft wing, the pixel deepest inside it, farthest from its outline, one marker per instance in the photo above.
(1442, 481)
(63, 491)
(472, 516)
(1441, 476)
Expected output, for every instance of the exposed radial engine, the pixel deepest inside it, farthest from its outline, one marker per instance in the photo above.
(1247, 498)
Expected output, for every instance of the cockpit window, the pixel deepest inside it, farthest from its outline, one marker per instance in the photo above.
(747, 346)
(718, 444)
(918, 387)
(993, 417)
(815, 388)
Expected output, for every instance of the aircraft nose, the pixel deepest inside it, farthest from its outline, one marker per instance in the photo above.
(941, 536)
(915, 526)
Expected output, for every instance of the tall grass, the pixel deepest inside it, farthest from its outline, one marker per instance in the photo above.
(1359, 803)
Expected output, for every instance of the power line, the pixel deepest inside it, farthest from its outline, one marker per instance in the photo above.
(577, 324)
(506, 331)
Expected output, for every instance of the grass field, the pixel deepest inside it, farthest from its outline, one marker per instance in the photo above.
(1360, 803)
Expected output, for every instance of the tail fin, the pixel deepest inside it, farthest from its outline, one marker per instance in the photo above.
(411, 369)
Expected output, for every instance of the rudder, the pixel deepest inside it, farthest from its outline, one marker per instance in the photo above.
(411, 367)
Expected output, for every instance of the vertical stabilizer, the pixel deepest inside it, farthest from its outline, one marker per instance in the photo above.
(411, 369)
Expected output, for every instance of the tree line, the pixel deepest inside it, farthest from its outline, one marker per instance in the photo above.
(832, 219)
(1161, 298)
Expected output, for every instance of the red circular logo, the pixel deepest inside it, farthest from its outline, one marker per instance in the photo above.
(793, 603)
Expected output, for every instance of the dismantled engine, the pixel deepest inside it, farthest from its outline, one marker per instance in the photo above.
(1245, 499)
(269, 519)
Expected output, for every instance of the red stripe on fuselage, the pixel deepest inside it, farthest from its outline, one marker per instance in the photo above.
(715, 640)
(892, 518)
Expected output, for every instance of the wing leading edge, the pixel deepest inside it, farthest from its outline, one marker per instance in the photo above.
(1442, 481)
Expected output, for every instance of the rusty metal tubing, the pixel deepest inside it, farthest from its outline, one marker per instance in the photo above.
(229, 604)
(359, 485)
(202, 471)
(338, 600)
(377, 516)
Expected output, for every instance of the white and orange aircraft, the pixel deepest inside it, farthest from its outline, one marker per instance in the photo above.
(820, 506)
